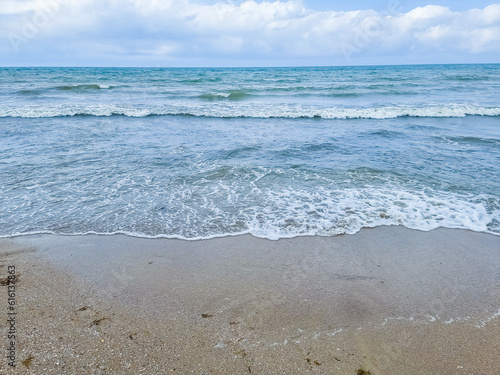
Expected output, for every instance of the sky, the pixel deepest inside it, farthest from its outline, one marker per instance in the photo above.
(247, 33)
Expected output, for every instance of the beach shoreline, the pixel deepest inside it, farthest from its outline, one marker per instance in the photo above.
(385, 300)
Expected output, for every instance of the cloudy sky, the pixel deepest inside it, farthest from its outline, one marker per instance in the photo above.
(247, 33)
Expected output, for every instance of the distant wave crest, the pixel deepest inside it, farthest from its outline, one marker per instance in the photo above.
(231, 95)
(82, 87)
(251, 111)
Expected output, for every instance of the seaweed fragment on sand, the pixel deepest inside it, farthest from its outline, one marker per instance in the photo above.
(98, 322)
(9, 280)
(27, 361)
(362, 371)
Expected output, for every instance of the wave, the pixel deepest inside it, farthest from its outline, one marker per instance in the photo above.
(201, 80)
(76, 88)
(231, 95)
(291, 89)
(462, 77)
(342, 95)
(29, 92)
(253, 110)
(283, 214)
(384, 133)
(470, 140)
(83, 87)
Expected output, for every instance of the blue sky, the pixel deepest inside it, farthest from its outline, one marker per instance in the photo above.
(247, 33)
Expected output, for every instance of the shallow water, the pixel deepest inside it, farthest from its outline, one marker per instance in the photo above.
(275, 152)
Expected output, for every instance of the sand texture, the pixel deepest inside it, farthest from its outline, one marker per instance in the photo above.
(388, 300)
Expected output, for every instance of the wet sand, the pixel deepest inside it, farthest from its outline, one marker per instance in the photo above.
(388, 300)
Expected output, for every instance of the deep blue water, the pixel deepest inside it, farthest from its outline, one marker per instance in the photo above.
(276, 152)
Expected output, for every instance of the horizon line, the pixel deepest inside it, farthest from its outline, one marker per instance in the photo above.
(236, 67)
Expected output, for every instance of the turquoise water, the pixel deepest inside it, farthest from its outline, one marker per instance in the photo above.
(275, 152)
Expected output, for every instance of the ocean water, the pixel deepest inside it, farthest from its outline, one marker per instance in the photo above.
(276, 152)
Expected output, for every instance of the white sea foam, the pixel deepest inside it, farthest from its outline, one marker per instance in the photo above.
(289, 213)
(348, 211)
(252, 110)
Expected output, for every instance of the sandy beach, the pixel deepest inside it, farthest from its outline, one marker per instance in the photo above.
(388, 300)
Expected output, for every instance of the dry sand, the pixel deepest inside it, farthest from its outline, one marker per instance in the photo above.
(387, 300)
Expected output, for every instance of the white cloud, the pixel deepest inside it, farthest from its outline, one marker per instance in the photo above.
(182, 29)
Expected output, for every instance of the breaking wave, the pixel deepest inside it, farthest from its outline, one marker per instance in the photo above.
(254, 110)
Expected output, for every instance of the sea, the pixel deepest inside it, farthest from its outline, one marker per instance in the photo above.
(197, 153)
